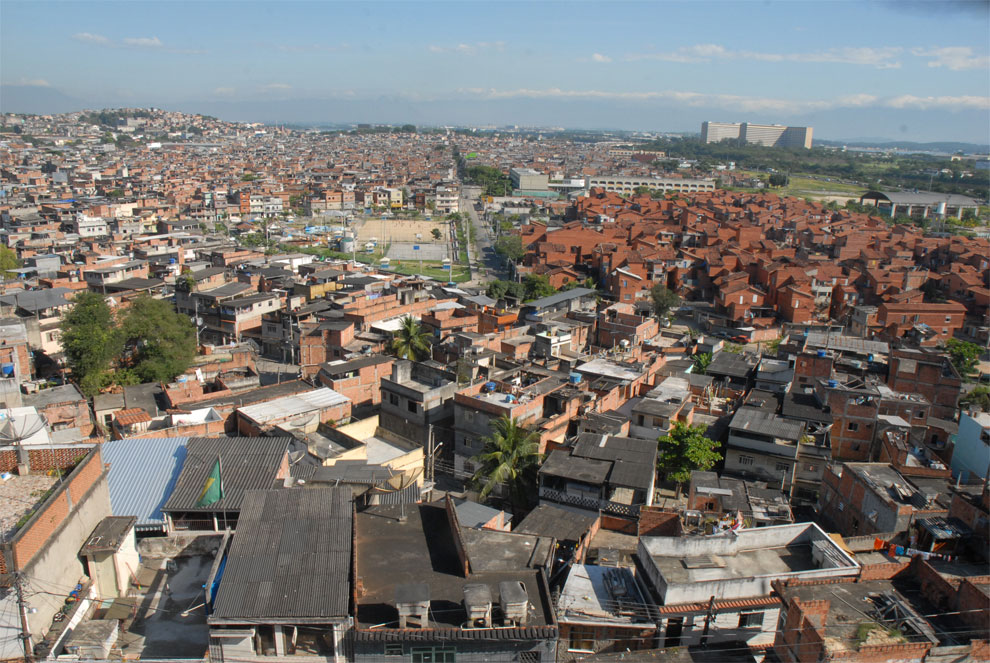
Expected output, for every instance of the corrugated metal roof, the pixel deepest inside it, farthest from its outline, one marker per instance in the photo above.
(142, 475)
(291, 406)
(291, 556)
(247, 463)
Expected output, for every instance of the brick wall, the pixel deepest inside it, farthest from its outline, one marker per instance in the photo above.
(654, 521)
(33, 536)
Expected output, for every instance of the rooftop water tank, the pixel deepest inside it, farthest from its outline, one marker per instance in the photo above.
(821, 353)
(833, 383)
(575, 378)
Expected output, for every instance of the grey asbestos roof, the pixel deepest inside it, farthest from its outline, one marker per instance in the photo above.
(559, 298)
(562, 524)
(143, 472)
(36, 300)
(246, 463)
(291, 557)
(765, 423)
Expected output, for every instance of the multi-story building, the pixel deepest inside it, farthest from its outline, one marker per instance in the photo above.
(528, 179)
(628, 185)
(769, 135)
(971, 452)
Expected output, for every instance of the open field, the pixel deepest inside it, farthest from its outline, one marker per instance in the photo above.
(400, 230)
(817, 188)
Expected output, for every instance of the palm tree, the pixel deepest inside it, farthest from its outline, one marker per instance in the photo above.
(511, 456)
(702, 362)
(411, 342)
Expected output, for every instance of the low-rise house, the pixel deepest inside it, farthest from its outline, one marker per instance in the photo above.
(601, 473)
(303, 411)
(438, 600)
(298, 606)
(864, 498)
(719, 588)
(241, 463)
(764, 446)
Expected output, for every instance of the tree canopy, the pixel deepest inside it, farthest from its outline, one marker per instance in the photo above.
(663, 300)
(510, 247)
(978, 398)
(964, 355)
(684, 450)
(701, 362)
(90, 341)
(149, 342)
(160, 342)
(8, 260)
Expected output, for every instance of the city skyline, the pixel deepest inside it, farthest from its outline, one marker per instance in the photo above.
(923, 76)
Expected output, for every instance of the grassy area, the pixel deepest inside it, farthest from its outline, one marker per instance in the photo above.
(432, 269)
(801, 186)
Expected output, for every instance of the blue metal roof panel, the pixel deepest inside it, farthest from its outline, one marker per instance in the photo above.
(142, 476)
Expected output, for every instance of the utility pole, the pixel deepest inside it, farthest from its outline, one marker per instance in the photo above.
(22, 609)
(708, 621)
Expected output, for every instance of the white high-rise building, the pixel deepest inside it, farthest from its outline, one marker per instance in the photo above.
(769, 135)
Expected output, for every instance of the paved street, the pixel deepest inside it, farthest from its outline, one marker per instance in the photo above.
(481, 256)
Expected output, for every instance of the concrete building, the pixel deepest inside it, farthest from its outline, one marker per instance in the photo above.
(528, 179)
(628, 185)
(769, 135)
(737, 569)
(416, 397)
(919, 205)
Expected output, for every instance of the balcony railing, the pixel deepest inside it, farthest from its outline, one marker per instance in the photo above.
(589, 503)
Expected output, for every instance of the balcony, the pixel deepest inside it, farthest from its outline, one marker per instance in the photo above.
(589, 503)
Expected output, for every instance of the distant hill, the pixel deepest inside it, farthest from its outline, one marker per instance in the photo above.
(945, 147)
(37, 100)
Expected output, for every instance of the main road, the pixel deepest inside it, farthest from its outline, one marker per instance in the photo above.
(481, 252)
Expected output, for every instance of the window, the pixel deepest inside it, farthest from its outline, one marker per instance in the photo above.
(411, 406)
(745, 460)
(433, 655)
(948, 318)
(581, 639)
(393, 650)
(393, 399)
(750, 619)
(852, 427)
(811, 468)
(781, 467)
(754, 299)
(529, 657)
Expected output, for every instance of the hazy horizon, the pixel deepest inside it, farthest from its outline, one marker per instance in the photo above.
(914, 71)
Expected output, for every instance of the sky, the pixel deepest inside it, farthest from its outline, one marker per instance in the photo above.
(900, 70)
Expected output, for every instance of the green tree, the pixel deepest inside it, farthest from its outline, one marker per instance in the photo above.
(511, 456)
(684, 450)
(701, 363)
(90, 341)
(8, 260)
(510, 247)
(537, 286)
(159, 342)
(663, 300)
(436, 234)
(411, 341)
(978, 398)
(963, 355)
(778, 179)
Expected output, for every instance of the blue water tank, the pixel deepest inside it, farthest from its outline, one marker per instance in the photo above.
(171, 261)
(833, 383)
(869, 358)
(821, 353)
(575, 378)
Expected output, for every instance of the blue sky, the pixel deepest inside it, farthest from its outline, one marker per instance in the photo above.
(914, 70)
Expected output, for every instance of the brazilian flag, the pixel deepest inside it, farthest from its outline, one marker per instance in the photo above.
(213, 488)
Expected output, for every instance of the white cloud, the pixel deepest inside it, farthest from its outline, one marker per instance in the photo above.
(143, 42)
(276, 87)
(468, 49)
(90, 38)
(598, 57)
(944, 102)
(740, 102)
(32, 82)
(224, 91)
(956, 58)
(881, 58)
